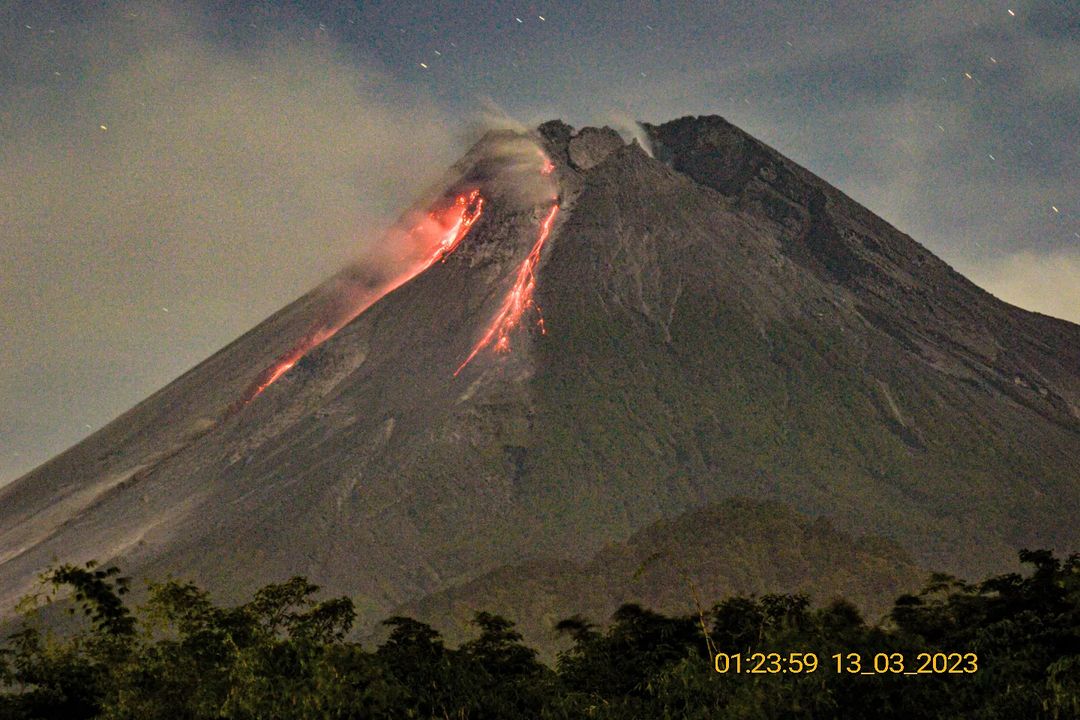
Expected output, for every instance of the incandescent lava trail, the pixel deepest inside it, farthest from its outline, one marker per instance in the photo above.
(519, 299)
(438, 234)
(548, 167)
(465, 211)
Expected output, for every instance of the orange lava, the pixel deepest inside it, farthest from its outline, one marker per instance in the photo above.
(518, 300)
(285, 363)
(548, 166)
(460, 216)
(442, 230)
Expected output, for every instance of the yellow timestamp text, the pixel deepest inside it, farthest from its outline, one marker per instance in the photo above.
(771, 663)
(882, 663)
(897, 663)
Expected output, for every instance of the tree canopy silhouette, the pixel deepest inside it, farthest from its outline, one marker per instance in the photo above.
(287, 654)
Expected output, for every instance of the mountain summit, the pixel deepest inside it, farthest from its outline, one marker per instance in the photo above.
(589, 340)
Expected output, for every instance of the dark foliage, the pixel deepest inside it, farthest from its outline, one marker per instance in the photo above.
(285, 654)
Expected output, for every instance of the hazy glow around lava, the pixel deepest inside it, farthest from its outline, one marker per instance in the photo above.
(430, 241)
(437, 235)
(548, 166)
(465, 211)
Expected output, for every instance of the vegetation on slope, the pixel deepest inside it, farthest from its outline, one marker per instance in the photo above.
(285, 654)
(675, 565)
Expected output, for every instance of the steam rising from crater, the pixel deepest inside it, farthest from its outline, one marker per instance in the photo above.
(630, 130)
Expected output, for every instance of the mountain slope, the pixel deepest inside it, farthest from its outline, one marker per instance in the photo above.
(716, 364)
(717, 322)
(682, 565)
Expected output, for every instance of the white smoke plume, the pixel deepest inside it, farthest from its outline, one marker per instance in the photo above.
(630, 130)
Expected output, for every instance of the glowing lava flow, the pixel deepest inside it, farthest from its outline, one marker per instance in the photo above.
(284, 363)
(548, 166)
(518, 300)
(449, 226)
(468, 209)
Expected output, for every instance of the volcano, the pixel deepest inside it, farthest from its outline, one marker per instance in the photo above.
(594, 347)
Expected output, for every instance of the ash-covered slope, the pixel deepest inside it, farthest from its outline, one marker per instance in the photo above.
(740, 327)
(717, 322)
(304, 476)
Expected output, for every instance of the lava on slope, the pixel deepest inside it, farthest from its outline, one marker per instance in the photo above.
(465, 211)
(519, 299)
(548, 167)
(393, 463)
(438, 234)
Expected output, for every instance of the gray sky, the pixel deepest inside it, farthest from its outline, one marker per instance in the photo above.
(171, 176)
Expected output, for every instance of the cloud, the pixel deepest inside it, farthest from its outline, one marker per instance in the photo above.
(166, 192)
(1046, 282)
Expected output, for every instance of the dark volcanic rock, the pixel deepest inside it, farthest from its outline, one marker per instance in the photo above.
(589, 147)
(719, 323)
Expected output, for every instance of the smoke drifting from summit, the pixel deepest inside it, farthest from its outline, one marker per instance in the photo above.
(512, 154)
(631, 130)
(165, 193)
